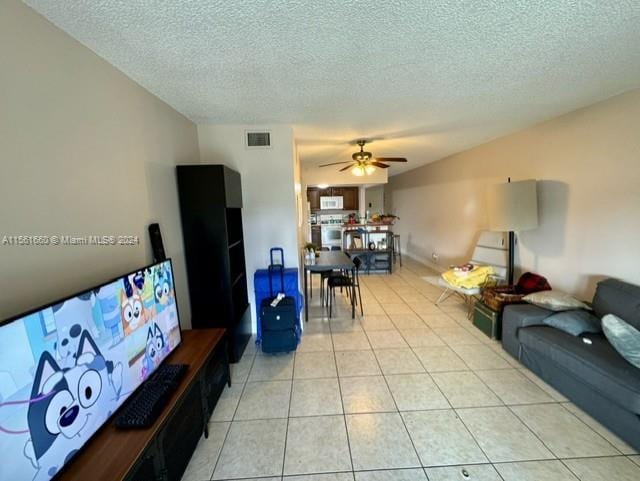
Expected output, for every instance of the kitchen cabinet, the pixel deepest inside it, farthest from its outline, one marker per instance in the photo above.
(350, 197)
(316, 235)
(313, 197)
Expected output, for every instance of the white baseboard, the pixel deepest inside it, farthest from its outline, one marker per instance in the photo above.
(424, 261)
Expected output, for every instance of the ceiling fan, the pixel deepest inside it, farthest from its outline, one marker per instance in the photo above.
(364, 163)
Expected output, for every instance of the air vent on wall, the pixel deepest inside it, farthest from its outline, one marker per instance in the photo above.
(258, 140)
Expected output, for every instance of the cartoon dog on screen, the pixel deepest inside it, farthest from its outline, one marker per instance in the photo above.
(68, 404)
(162, 288)
(132, 310)
(72, 317)
(157, 349)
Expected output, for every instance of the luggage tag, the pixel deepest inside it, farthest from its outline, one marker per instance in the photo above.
(277, 300)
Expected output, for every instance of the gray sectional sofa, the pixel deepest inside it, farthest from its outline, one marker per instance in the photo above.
(593, 376)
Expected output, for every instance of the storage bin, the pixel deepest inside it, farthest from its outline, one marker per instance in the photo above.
(488, 320)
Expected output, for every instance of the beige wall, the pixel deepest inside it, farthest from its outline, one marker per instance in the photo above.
(375, 197)
(588, 167)
(83, 150)
(269, 213)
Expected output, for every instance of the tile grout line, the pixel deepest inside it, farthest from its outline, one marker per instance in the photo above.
(397, 410)
(344, 413)
(404, 424)
(226, 436)
(513, 413)
(509, 407)
(590, 428)
(286, 430)
(549, 449)
(454, 410)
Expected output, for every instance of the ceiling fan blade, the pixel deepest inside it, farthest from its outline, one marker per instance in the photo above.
(347, 167)
(390, 159)
(379, 164)
(336, 163)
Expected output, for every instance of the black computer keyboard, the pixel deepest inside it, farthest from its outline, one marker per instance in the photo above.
(145, 406)
(169, 374)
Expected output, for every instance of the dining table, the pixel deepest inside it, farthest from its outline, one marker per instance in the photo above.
(328, 261)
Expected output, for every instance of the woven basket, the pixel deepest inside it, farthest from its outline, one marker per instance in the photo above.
(499, 296)
(388, 219)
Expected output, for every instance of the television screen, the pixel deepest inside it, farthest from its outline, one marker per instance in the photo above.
(67, 367)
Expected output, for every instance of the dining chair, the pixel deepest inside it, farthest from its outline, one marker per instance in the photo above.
(350, 282)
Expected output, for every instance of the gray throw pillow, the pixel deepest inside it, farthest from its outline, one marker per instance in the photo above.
(574, 322)
(623, 337)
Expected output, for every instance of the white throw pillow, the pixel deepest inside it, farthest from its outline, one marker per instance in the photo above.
(555, 301)
(623, 337)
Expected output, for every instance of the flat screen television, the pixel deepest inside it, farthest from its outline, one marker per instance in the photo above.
(66, 368)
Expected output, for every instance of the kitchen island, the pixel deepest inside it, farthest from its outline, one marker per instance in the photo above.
(369, 226)
(372, 242)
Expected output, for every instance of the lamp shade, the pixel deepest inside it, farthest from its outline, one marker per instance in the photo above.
(513, 206)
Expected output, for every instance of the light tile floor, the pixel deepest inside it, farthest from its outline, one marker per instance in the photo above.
(410, 391)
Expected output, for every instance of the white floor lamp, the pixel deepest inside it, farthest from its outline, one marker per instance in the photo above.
(513, 207)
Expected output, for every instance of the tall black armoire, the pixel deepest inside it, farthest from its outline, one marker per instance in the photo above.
(211, 211)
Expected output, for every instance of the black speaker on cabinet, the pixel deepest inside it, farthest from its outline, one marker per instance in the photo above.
(157, 246)
(211, 212)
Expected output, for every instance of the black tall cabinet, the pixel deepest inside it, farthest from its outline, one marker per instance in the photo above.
(211, 212)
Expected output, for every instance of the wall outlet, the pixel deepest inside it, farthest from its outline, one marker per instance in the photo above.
(435, 256)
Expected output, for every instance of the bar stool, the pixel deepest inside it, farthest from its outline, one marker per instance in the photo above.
(396, 248)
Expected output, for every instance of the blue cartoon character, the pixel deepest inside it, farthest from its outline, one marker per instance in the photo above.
(67, 405)
(162, 288)
(138, 279)
(157, 348)
(107, 297)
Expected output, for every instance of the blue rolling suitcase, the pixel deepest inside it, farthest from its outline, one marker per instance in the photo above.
(278, 317)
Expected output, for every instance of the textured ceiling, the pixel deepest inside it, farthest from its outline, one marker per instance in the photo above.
(432, 77)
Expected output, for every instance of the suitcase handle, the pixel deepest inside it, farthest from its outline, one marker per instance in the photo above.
(279, 250)
(271, 268)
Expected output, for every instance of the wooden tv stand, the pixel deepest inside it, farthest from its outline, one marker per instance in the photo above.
(162, 451)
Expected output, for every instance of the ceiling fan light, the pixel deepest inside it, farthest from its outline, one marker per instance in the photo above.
(358, 171)
(369, 169)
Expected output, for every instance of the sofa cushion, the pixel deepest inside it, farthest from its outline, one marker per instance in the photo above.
(524, 315)
(515, 317)
(574, 322)
(623, 337)
(597, 365)
(619, 298)
(555, 301)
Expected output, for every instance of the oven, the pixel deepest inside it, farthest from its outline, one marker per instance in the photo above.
(331, 235)
(331, 202)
